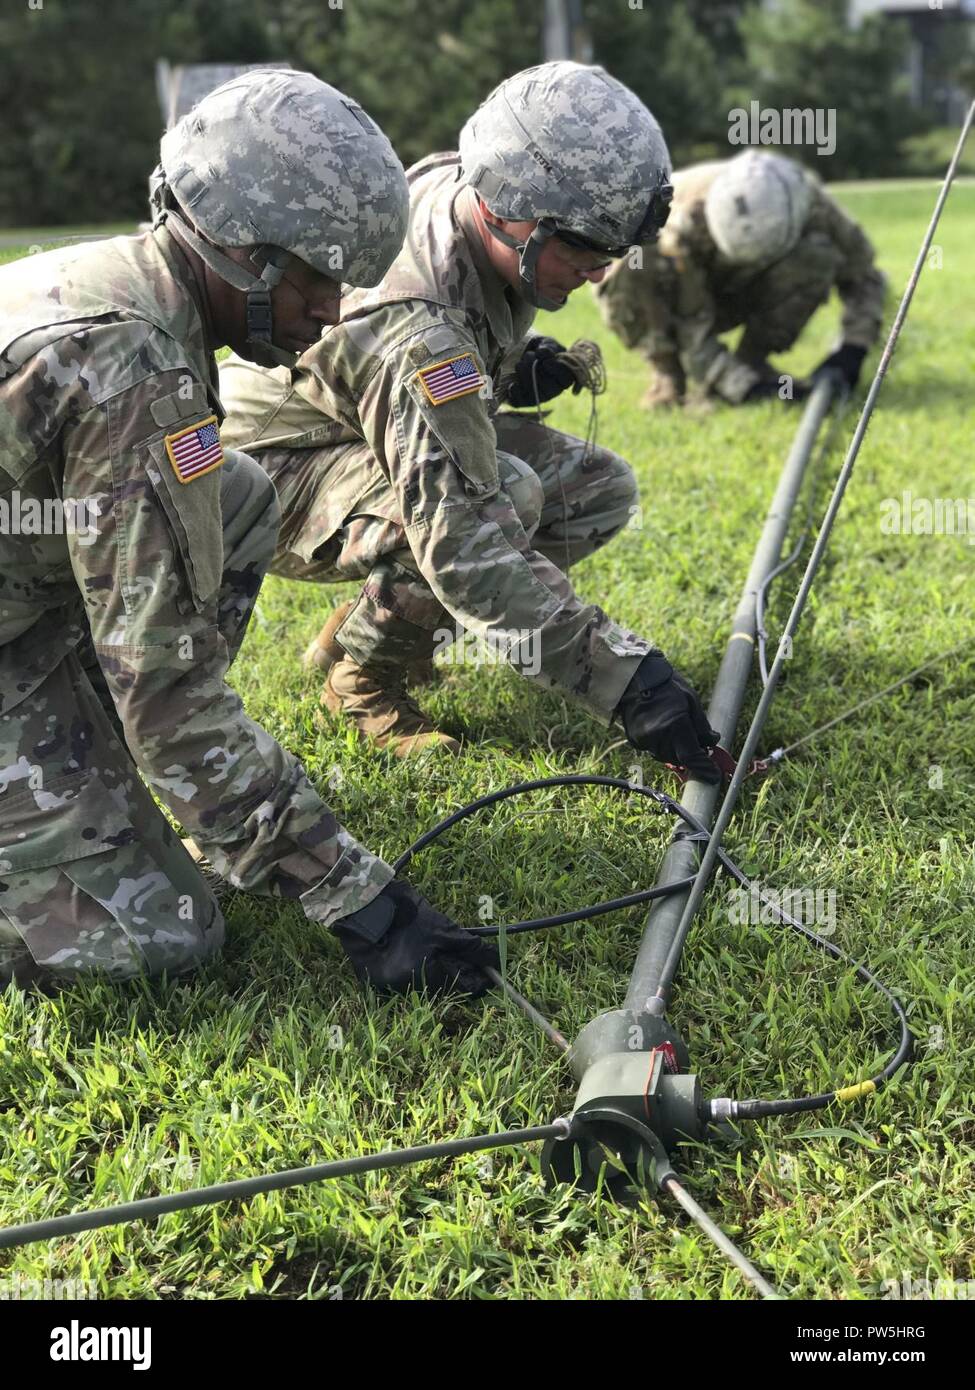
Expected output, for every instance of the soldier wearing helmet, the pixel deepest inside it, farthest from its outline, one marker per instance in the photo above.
(754, 242)
(395, 466)
(116, 635)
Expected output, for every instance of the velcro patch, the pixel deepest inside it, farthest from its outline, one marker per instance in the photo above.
(445, 381)
(195, 450)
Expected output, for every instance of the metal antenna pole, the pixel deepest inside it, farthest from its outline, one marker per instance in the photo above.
(682, 858)
(658, 1003)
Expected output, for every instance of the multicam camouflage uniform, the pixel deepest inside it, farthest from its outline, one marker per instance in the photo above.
(456, 514)
(115, 638)
(672, 304)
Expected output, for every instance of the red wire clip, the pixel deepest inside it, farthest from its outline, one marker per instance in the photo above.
(721, 758)
(727, 765)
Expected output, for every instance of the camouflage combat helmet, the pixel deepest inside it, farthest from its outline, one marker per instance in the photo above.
(570, 146)
(757, 206)
(278, 159)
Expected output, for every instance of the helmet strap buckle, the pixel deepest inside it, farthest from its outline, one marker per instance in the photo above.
(258, 313)
(528, 253)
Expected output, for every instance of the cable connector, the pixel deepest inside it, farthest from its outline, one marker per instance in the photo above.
(721, 1108)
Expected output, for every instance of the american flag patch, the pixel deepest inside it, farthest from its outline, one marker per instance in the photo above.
(444, 381)
(195, 450)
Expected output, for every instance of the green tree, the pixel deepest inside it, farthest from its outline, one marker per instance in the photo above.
(80, 113)
(418, 69)
(803, 53)
(668, 55)
(82, 120)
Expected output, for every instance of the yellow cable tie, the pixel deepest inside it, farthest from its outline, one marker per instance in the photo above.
(745, 637)
(862, 1088)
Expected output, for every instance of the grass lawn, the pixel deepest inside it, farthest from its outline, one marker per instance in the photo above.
(272, 1058)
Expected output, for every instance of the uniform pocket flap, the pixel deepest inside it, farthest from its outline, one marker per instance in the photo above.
(73, 817)
(456, 414)
(193, 509)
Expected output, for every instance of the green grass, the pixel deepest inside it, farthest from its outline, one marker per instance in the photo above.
(106, 1094)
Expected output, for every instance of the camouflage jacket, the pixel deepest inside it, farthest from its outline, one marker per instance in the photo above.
(369, 378)
(102, 357)
(832, 245)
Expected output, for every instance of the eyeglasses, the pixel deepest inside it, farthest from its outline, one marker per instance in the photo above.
(658, 210)
(583, 259)
(582, 243)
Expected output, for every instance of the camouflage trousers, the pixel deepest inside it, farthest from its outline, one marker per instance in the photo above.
(642, 306)
(341, 521)
(93, 879)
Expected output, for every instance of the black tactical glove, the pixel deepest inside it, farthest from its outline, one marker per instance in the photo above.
(661, 714)
(399, 941)
(539, 375)
(847, 360)
(769, 387)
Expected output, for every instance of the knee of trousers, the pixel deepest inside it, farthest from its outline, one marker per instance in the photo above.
(83, 918)
(619, 495)
(524, 489)
(250, 510)
(93, 879)
(143, 909)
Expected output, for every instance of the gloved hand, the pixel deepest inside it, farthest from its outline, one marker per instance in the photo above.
(769, 387)
(661, 714)
(399, 941)
(539, 375)
(847, 360)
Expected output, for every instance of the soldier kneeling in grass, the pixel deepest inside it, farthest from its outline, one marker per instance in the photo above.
(755, 242)
(393, 464)
(115, 639)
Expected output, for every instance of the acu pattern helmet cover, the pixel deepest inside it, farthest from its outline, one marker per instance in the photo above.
(280, 158)
(568, 145)
(568, 142)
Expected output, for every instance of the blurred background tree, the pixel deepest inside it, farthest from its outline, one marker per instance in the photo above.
(82, 120)
(676, 58)
(803, 54)
(418, 69)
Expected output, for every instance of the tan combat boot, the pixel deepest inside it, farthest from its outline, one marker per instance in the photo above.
(661, 394)
(325, 651)
(378, 705)
(667, 384)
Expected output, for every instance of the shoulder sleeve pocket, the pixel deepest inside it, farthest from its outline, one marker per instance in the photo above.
(193, 511)
(454, 410)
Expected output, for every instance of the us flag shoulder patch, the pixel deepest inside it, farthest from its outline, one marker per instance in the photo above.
(195, 450)
(445, 381)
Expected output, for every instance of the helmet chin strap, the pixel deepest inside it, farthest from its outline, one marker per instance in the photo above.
(259, 320)
(529, 252)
